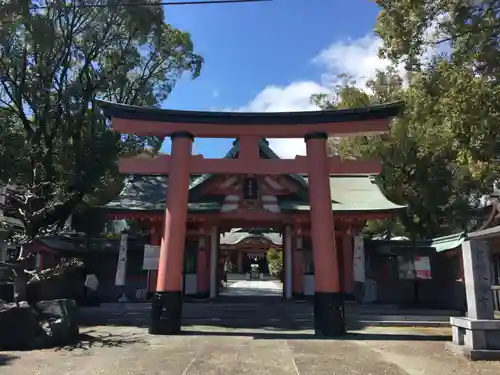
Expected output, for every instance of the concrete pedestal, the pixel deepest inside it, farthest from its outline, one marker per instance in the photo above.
(476, 336)
(476, 339)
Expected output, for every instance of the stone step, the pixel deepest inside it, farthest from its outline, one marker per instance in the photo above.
(403, 323)
(363, 311)
(289, 308)
(255, 315)
(276, 323)
(410, 318)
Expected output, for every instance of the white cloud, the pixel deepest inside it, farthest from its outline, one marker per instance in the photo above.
(294, 97)
(357, 58)
(354, 57)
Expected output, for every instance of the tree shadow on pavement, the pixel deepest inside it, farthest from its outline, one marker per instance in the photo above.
(96, 339)
(5, 359)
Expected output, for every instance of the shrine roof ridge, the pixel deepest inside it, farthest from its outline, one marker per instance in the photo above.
(132, 112)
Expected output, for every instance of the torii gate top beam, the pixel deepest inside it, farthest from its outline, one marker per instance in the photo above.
(144, 121)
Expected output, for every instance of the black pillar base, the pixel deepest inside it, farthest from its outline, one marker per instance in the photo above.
(166, 313)
(329, 314)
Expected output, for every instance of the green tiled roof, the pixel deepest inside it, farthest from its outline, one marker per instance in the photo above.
(147, 193)
(438, 244)
(349, 193)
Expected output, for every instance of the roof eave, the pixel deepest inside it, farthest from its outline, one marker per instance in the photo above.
(250, 118)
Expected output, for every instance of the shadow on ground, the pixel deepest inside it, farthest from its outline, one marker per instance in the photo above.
(263, 318)
(99, 339)
(230, 312)
(5, 359)
(355, 336)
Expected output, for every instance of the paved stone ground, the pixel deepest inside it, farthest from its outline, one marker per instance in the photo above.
(207, 350)
(277, 339)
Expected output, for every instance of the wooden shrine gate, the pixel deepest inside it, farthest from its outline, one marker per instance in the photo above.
(183, 126)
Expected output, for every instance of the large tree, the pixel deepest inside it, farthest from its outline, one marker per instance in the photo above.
(56, 59)
(464, 78)
(442, 154)
(418, 156)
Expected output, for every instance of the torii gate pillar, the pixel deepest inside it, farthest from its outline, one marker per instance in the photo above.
(328, 301)
(166, 309)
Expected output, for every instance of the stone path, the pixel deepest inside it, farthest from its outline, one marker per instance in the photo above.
(263, 337)
(218, 351)
(253, 288)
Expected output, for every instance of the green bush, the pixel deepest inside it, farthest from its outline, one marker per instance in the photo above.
(275, 262)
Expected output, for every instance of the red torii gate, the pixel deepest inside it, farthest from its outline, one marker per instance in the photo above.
(183, 126)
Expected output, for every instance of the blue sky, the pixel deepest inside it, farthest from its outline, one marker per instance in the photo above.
(272, 56)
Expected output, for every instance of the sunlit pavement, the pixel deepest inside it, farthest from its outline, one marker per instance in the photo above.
(214, 350)
(253, 288)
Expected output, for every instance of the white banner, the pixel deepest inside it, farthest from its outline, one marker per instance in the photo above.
(151, 257)
(359, 266)
(121, 268)
(423, 268)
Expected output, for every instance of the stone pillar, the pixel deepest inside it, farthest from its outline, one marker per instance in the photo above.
(155, 240)
(359, 268)
(477, 336)
(298, 269)
(214, 252)
(476, 261)
(121, 268)
(328, 299)
(166, 309)
(202, 268)
(348, 255)
(288, 262)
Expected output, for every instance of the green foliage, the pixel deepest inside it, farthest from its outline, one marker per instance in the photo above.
(275, 261)
(54, 63)
(442, 153)
(465, 80)
(420, 157)
(472, 28)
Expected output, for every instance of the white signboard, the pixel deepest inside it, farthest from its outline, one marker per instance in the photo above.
(151, 257)
(121, 267)
(91, 282)
(359, 267)
(423, 268)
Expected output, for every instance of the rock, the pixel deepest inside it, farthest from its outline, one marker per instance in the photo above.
(19, 328)
(47, 324)
(56, 333)
(59, 321)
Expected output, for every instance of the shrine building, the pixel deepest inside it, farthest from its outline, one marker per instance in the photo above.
(312, 207)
